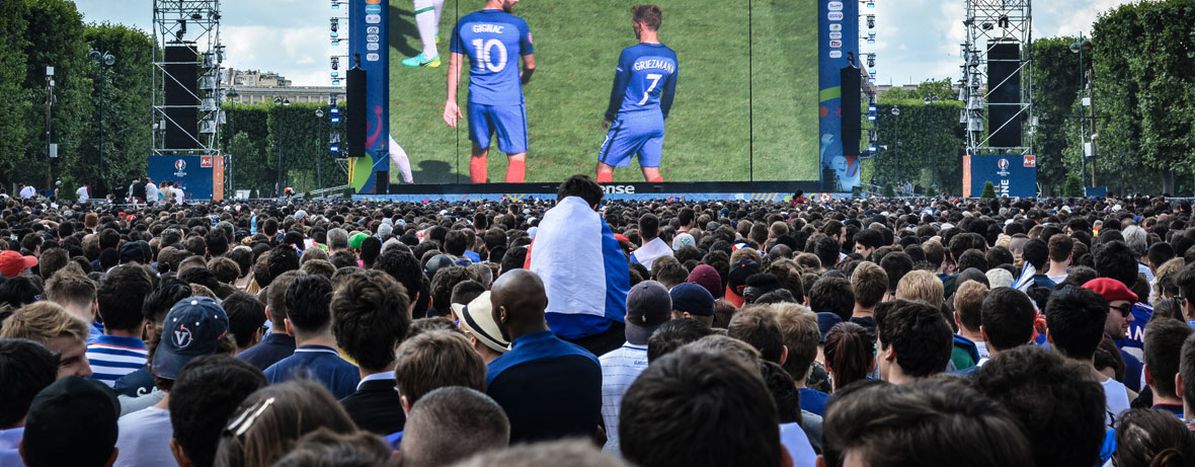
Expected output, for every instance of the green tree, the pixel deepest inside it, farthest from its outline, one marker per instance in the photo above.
(1056, 74)
(127, 123)
(989, 191)
(930, 139)
(16, 103)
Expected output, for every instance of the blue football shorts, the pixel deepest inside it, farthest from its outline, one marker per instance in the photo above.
(508, 121)
(634, 134)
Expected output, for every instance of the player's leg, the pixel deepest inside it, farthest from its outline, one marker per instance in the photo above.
(621, 143)
(481, 130)
(605, 173)
(510, 124)
(650, 154)
(439, 7)
(398, 157)
(426, 21)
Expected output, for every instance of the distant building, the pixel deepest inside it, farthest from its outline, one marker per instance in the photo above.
(261, 87)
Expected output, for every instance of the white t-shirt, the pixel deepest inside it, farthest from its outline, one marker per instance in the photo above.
(28, 192)
(144, 439)
(152, 194)
(620, 367)
(1117, 400)
(649, 252)
(793, 438)
(82, 195)
(178, 195)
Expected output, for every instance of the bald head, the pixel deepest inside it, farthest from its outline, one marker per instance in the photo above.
(519, 300)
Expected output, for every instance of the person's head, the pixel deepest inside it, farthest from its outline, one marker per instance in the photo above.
(929, 423)
(1075, 318)
(450, 424)
(648, 306)
(1152, 438)
(849, 353)
(71, 422)
(307, 301)
(665, 414)
(832, 294)
(324, 447)
(193, 328)
(579, 453)
(51, 326)
(1060, 247)
(75, 292)
(1060, 404)
(869, 283)
(649, 227)
(276, 298)
(674, 335)
(968, 305)
(267, 424)
(1114, 259)
(26, 367)
(923, 286)
(519, 301)
(798, 327)
(246, 318)
(867, 241)
(692, 301)
(476, 319)
(202, 399)
(1037, 253)
(1006, 318)
(1163, 345)
(120, 294)
(647, 18)
(1120, 304)
(338, 239)
(757, 326)
(436, 359)
(582, 187)
(371, 315)
(915, 341)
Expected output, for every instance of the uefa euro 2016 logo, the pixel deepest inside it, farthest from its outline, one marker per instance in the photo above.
(180, 167)
(1002, 166)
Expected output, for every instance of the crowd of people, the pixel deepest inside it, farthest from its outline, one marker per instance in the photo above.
(880, 332)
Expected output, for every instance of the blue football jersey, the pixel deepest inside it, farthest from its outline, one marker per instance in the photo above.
(645, 80)
(494, 40)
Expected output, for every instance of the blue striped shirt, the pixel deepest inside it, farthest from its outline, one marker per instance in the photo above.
(112, 357)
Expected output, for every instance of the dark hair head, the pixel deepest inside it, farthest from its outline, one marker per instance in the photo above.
(850, 353)
(931, 423)
(203, 398)
(1037, 253)
(26, 368)
(436, 359)
(581, 186)
(371, 316)
(780, 385)
(1152, 438)
(307, 303)
(650, 16)
(1163, 345)
(665, 414)
(169, 291)
(403, 267)
(673, 335)
(121, 294)
(1060, 404)
(896, 265)
(1007, 317)
(1114, 259)
(324, 447)
(282, 258)
(920, 336)
(246, 316)
(834, 295)
(1075, 317)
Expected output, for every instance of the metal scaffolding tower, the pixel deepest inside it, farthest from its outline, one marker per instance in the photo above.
(989, 24)
(194, 24)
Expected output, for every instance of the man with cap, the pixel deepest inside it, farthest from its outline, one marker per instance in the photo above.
(736, 280)
(193, 328)
(1120, 315)
(549, 388)
(12, 263)
(648, 306)
(71, 422)
(692, 301)
(708, 278)
(476, 319)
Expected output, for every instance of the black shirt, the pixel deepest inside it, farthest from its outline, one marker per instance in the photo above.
(376, 407)
(272, 349)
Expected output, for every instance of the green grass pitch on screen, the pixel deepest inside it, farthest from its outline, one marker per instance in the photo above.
(577, 43)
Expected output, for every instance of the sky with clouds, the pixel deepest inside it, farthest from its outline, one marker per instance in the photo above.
(916, 39)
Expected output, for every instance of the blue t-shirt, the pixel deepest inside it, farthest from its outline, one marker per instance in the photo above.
(813, 400)
(645, 80)
(494, 40)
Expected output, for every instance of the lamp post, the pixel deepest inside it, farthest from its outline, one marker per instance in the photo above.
(319, 146)
(230, 95)
(896, 143)
(49, 126)
(104, 60)
(1080, 46)
(280, 102)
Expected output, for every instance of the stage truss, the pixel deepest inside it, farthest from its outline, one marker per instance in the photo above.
(195, 23)
(989, 22)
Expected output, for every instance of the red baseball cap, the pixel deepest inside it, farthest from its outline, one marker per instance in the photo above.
(1111, 289)
(12, 263)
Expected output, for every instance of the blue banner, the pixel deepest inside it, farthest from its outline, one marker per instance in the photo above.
(369, 39)
(1012, 176)
(838, 32)
(194, 174)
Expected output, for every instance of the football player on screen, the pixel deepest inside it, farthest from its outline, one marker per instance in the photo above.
(494, 39)
(427, 20)
(644, 87)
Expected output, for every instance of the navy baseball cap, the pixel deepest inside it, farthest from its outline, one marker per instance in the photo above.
(692, 298)
(648, 306)
(192, 328)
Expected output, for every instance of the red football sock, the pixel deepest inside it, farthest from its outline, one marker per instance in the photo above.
(516, 170)
(605, 177)
(656, 179)
(477, 169)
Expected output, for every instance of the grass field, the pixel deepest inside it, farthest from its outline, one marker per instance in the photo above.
(721, 91)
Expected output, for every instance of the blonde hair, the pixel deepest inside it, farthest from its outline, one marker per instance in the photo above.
(43, 322)
(921, 285)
